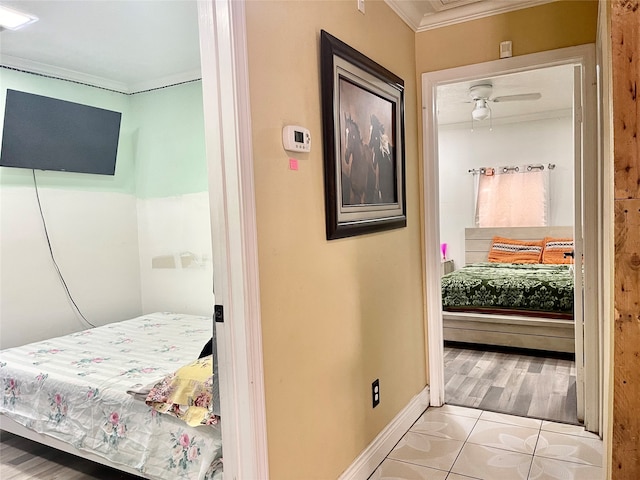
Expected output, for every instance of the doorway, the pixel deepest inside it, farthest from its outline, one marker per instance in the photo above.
(521, 122)
(583, 115)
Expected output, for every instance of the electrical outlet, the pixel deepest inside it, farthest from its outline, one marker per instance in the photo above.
(361, 5)
(375, 393)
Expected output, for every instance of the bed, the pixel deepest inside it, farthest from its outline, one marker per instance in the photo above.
(526, 305)
(86, 393)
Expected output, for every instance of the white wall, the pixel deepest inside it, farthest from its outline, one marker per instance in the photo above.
(175, 254)
(461, 149)
(94, 240)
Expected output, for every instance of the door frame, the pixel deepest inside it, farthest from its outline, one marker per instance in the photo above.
(583, 55)
(229, 152)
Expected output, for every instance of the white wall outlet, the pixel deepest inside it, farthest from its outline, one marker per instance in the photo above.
(360, 5)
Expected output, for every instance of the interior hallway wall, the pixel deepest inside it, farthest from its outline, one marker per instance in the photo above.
(336, 314)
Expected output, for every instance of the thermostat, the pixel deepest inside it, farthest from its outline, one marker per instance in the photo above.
(296, 139)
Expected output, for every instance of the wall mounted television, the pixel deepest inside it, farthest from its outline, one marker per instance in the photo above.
(46, 133)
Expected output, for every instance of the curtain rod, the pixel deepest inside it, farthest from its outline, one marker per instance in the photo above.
(529, 168)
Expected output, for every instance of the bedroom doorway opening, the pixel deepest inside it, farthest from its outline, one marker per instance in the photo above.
(534, 113)
(494, 357)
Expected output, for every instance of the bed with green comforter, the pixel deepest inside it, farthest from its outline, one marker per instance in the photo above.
(539, 290)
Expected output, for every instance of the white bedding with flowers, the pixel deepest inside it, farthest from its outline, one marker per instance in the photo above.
(74, 388)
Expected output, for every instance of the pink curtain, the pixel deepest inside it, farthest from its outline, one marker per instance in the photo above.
(514, 199)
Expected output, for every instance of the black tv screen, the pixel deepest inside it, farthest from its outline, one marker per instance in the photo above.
(45, 133)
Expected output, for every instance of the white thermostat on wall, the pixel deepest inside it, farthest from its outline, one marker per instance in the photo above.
(296, 139)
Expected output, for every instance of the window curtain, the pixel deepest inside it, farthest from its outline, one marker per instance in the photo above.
(512, 198)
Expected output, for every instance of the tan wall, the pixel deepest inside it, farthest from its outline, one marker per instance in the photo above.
(335, 314)
(546, 27)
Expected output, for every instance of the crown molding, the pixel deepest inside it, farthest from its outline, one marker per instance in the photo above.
(47, 70)
(420, 21)
(167, 81)
(53, 71)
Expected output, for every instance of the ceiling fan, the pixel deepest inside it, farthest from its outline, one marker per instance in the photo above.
(481, 96)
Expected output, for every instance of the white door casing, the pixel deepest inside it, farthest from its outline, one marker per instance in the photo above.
(584, 56)
(578, 238)
(225, 87)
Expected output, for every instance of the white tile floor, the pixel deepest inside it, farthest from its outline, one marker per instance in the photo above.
(459, 443)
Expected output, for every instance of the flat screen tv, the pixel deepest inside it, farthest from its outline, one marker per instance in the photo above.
(46, 133)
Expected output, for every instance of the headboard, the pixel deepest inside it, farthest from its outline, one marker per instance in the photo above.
(478, 240)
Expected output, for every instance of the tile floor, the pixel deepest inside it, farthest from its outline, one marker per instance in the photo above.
(459, 443)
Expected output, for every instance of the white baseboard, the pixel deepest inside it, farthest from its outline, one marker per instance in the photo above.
(372, 456)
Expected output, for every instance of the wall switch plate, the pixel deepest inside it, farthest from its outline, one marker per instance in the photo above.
(375, 393)
(361, 5)
(506, 49)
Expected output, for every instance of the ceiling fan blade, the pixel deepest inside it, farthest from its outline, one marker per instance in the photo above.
(522, 96)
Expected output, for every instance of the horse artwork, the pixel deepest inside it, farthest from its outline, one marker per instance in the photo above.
(363, 123)
(358, 175)
(382, 162)
(368, 175)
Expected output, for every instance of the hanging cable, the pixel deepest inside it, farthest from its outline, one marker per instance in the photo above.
(55, 264)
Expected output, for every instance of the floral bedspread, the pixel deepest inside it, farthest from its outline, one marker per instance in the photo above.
(491, 287)
(74, 388)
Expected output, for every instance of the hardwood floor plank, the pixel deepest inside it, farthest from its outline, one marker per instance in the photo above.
(516, 383)
(535, 365)
(491, 399)
(22, 459)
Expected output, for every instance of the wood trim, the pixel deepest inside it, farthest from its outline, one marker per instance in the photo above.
(510, 331)
(625, 40)
(234, 239)
(431, 212)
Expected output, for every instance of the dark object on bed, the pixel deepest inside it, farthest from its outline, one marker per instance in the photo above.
(531, 289)
(207, 350)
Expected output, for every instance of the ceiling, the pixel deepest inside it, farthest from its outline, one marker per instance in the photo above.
(125, 45)
(136, 45)
(555, 84)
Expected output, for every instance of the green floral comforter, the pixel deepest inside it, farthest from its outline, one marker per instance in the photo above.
(492, 287)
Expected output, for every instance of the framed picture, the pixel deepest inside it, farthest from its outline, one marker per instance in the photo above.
(363, 123)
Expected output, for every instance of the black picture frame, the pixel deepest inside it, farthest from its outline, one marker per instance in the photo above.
(364, 155)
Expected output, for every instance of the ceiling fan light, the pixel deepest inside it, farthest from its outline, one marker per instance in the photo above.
(481, 110)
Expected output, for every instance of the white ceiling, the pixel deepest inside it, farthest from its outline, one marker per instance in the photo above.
(135, 45)
(124, 45)
(555, 84)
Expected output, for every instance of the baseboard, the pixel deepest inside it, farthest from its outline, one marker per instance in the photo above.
(372, 456)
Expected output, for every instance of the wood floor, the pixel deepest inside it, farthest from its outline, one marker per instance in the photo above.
(22, 459)
(514, 383)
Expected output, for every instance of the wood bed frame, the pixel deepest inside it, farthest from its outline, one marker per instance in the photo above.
(508, 330)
